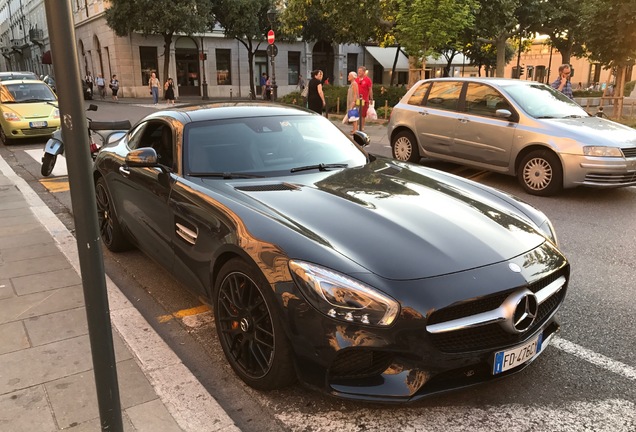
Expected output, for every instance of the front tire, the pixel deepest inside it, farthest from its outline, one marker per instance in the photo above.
(109, 229)
(250, 331)
(404, 147)
(48, 163)
(4, 138)
(540, 173)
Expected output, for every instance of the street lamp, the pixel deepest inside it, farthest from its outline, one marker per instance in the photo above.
(271, 17)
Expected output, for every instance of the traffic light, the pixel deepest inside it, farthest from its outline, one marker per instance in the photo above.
(521, 71)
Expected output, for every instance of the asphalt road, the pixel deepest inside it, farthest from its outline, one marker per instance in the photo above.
(584, 381)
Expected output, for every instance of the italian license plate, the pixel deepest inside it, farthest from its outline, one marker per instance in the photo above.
(513, 357)
(38, 124)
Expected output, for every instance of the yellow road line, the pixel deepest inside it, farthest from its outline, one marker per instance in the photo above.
(184, 313)
(56, 184)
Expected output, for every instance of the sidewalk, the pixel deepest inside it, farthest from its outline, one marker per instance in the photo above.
(46, 377)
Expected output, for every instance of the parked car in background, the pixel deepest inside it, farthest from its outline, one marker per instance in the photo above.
(28, 109)
(521, 128)
(18, 75)
(365, 277)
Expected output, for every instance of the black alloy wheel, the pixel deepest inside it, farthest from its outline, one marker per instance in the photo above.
(404, 147)
(251, 335)
(4, 138)
(48, 163)
(111, 233)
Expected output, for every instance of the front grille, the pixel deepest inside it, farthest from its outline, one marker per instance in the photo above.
(611, 179)
(492, 335)
(358, 363)
(40, 131)
(629, 152)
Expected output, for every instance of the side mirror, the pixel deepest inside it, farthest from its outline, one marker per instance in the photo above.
(361, 138)
(143, 157)
(504, 113)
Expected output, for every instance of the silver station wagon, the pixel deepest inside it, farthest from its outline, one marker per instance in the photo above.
(521, 128)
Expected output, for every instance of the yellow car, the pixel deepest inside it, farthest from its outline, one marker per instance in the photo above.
(29, 109)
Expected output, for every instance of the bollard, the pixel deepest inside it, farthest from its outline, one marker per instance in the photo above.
(386, 108)
(338, 105)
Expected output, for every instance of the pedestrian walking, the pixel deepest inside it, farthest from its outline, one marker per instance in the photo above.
(153, 86)
(168, 88)
(89, 80)
(315, 96)
(114, 87)
(263, 83)
(365, 88)
(101, 85)
(353, 98)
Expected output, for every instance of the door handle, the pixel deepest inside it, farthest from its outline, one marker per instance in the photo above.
(123, 170)
(423, 112)
(464, 120)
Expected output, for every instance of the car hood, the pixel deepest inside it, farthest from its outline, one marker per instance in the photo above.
(595, 130)
(30, 110)
(400, 221)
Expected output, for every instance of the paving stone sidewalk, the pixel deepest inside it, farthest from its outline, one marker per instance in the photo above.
(46, 373)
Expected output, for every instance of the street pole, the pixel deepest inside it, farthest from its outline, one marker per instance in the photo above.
(59, 16)
(205, 82)
(274, 86)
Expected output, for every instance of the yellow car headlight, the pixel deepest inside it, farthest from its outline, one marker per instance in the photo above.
(11, 116)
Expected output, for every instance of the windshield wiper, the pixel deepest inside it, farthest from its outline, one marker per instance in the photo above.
(545, 117)
(224, 175)
(573, 116)
(319, 167)
(32, 100)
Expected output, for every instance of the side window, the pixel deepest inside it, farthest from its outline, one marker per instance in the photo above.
(134, 137)
(444, 95)
(483, 100)
(418, 96)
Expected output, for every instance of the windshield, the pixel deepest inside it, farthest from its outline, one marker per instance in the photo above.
(542, 101)
(268, 146)
(26, 92)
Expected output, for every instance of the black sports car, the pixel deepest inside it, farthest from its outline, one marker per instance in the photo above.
(365, 277)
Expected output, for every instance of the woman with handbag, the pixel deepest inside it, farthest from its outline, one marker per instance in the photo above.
(352, 100)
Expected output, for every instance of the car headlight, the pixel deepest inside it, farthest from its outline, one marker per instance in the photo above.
(11, 116)
(56, 113)
(548, 229)
(602, 151)
(343, 298)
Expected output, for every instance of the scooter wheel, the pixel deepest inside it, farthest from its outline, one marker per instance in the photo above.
(48, 163)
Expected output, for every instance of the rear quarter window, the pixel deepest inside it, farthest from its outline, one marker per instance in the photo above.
(444, 95)
(418, 95)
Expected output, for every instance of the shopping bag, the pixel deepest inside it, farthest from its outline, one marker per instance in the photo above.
(371, 113)
(353, 115)
(305, 92)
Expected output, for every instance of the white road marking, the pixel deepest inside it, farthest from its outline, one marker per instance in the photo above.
(613, 415)
(595, 358)
(60, 164)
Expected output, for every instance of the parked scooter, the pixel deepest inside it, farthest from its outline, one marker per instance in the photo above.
(55, 145)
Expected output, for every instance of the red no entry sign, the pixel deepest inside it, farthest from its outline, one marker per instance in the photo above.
(270, 37)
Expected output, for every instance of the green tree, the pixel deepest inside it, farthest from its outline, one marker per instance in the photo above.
(162, 17)
(561, 20)
(613, 46)
(423, 25)
(247, 22)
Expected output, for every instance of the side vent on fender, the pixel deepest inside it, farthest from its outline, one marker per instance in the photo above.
(267, 187)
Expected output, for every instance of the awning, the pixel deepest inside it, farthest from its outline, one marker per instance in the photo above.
(46, 58)
(386, 57)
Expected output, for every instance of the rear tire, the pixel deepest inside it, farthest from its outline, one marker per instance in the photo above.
(404, 147)
(249, 329)
(48, 163)
(540, 173)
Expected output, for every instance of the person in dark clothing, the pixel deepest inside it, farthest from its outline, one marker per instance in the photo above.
(315, 96)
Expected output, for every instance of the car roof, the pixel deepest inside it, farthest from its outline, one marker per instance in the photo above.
(21, 81)
(490, 80)
(237, 109)
(18, 75)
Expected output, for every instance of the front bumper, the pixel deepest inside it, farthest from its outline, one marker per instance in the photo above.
(600, 172)
(406, 361)
(23, 129)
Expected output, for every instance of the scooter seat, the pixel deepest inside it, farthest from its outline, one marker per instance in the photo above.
(110, 125)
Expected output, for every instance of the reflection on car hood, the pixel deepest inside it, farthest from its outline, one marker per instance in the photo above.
(595, 130)
(403, 223)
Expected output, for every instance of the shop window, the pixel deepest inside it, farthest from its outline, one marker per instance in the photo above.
(148, 59)
(293, 67)
(223, 69)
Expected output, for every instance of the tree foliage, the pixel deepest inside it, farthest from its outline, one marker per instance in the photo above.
(162, 17)
(247, 22)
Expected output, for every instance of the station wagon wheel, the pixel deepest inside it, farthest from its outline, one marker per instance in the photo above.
(111, 233)
(404, 147)
(540, 173)
(250, 332)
